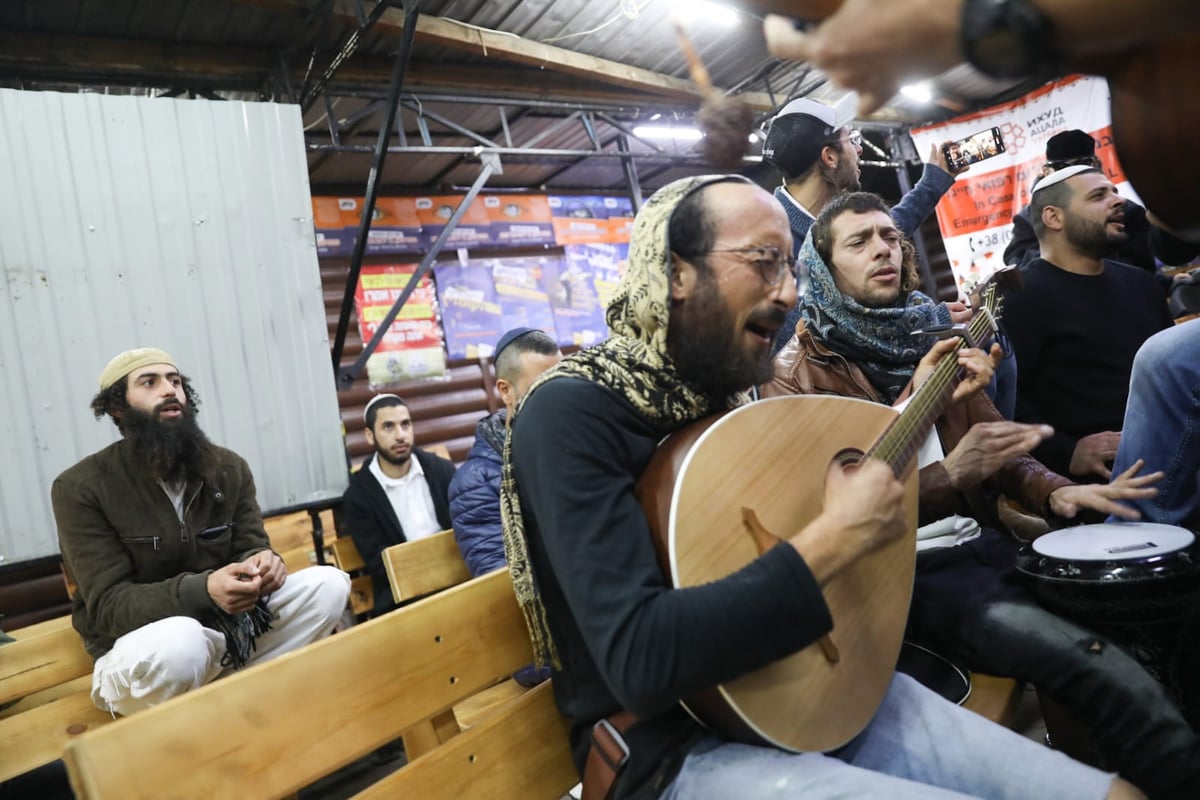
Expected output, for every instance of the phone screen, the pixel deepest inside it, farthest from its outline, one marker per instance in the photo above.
(974, 148)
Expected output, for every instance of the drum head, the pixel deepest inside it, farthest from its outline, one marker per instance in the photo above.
(1109, 541)
(1120, 573)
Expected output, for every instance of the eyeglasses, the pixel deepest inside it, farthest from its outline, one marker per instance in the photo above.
(854, 138)
(772, 263)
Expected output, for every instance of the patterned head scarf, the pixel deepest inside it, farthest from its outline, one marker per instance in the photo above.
(633, 362)
(879, 340)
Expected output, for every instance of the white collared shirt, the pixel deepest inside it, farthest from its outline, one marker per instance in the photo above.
(410, 499)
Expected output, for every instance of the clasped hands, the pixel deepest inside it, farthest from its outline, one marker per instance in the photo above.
(237, 587)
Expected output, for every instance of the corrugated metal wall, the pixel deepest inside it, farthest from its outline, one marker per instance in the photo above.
(130, 221)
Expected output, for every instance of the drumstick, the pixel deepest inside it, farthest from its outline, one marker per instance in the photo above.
(696, 67)
(726, 121)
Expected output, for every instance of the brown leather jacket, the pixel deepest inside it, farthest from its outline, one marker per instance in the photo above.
(807, 366)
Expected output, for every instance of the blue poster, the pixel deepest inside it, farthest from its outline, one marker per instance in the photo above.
(606, 262)
(471, 316)
(521, 288)
(578, 315)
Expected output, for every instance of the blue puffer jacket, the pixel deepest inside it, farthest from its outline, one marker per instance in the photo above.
(475, 499)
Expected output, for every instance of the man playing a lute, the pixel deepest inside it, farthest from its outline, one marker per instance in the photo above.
(706, 289)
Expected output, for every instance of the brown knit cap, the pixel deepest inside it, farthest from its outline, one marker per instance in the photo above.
(130, 360)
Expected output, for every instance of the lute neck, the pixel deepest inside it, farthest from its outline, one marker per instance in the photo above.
(903, 438)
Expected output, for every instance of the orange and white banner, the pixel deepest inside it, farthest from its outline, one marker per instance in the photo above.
(975, 216)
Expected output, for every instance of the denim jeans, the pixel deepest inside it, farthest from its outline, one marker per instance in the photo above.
(917, 747)
(1162, 423)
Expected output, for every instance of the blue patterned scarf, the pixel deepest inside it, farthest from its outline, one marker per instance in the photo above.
(878, 340)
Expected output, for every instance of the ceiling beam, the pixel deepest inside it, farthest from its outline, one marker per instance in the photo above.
(506, 47)
(25, 52)
(98, 60)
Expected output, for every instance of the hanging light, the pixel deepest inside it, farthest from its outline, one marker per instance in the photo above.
(919, 92)
(678, 133)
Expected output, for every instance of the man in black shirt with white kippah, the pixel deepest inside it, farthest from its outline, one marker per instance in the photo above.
(1079, 321)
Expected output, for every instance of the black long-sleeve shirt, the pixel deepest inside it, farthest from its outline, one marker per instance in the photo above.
(1075, 337)
(626, 638)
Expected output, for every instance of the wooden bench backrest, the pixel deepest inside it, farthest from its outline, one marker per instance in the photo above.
(276, 727)
(45, 626)
(291, 536)
(347, 558)
(37, 662)
(346, 555)
(50, 672)
(425, 565)
(520, 752)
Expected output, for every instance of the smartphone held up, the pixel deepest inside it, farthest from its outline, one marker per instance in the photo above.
(962, 153)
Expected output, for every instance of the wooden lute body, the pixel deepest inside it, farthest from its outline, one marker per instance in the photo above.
(722, 491)
(771, 456)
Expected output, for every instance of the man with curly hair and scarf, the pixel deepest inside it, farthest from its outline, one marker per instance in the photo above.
(162, 533)
(708, 284)
(859, 337)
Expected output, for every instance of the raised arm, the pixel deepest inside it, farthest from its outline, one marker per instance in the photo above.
(873, 46)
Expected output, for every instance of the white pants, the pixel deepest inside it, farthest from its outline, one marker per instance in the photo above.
(155, 662)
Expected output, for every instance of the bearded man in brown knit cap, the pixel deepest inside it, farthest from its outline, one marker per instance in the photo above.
(162, 533)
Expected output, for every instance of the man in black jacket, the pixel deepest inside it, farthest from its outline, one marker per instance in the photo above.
(394, 497)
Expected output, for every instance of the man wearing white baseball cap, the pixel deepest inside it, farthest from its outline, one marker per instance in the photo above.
(817, 152)
(177, 582)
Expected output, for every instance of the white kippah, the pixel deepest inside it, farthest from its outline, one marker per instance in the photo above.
(376, 399)
(1058, 176)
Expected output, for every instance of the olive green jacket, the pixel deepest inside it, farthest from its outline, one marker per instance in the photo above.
(132, 559)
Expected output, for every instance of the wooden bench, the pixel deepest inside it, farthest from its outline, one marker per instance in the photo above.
(994, 698)
(252, 734)
(50, 675)
(416, 569)
(420, 567)
(347, 558)
(291, 536)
